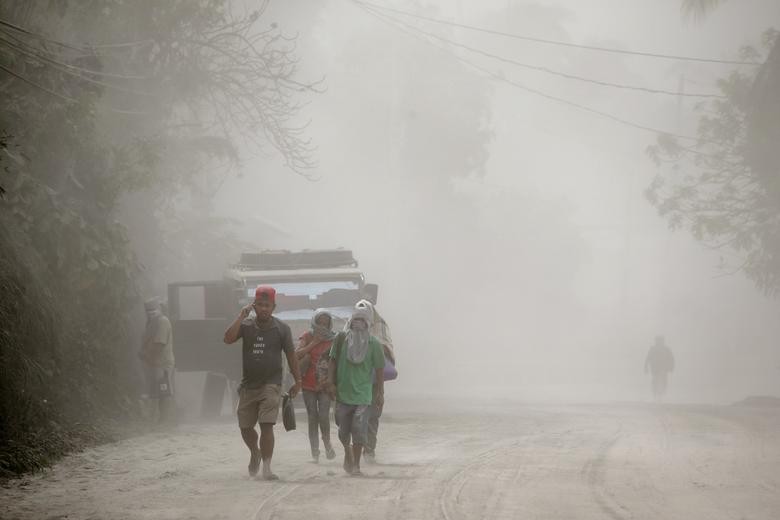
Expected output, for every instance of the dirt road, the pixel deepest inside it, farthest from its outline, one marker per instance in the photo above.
(555, 462)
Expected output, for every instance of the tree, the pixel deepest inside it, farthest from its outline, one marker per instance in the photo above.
(725, 187)
(699, 9)
(105, 98)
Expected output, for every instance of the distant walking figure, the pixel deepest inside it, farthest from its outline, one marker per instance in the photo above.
(660, 362)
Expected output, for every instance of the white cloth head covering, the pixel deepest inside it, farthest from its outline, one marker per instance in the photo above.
(379, 328)
(357, 337)
(319, 330)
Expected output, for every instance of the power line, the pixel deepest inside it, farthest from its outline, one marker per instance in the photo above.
(38, 86)
(39, 36)
(555, 42)
(80, 47)
(393, 22)
(26, 48)
(556, 72)
(63, 96)
(70, 70)
(385, 18)
(138, 43)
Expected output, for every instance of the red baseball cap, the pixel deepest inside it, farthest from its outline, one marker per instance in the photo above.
(265, 291)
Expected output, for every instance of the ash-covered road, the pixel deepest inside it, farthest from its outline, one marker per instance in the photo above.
(553, 462)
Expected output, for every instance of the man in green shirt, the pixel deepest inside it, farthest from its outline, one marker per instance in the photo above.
(354, 358)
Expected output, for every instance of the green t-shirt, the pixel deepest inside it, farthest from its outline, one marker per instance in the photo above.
(354, 382)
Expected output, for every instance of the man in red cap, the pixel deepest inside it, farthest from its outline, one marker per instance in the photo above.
(264, 340)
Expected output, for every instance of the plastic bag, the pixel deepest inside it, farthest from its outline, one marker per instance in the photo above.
(389, 371)
(288, 413)
(164, 387)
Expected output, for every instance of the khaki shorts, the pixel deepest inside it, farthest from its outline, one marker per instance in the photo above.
(258, 405)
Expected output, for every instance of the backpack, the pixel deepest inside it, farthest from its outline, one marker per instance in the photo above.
(321, 369)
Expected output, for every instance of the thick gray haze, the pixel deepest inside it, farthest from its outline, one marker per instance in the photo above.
(507, 171)
(514, 248)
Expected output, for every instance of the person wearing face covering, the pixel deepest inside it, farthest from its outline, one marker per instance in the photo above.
(381, 331)
(156, 355)
(354, 358)
(312, 352)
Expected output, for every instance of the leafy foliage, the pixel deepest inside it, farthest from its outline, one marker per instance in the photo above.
(698, 9)
(726, 187)
(53, 380)
(154, 97)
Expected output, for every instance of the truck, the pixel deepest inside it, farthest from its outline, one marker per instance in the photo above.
(306, 280)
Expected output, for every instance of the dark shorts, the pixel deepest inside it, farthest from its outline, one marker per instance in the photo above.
(353, 423)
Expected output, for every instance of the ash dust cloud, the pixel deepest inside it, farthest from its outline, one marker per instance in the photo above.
(571, 211)
(516, 252)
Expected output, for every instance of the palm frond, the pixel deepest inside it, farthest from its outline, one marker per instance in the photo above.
(697, 10)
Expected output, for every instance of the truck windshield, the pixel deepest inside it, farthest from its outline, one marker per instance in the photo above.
(303, 295)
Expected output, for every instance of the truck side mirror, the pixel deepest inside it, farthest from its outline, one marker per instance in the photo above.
(372, 292)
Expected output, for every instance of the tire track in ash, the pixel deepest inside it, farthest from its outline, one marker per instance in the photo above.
(509, 479)
(746, 445)
(265, 510)
(450, 494)
(714, 464)
(398, 489)
(386, 488)
(267, 507)
(664, 418)
(594, 473)
(404, 491)
(402, 487)
(392, 487)
(450, 497)
(755, 436)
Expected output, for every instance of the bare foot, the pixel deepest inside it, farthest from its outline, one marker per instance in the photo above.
(348, 460)
(369, 456)
(269, 475)
(330, 453)
(254, 463)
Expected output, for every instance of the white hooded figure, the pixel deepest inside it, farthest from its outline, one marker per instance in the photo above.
(379, 328)
(358, 334)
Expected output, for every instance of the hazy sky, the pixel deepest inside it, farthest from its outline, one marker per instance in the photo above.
(547, 275)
